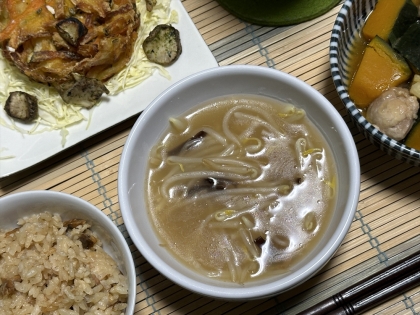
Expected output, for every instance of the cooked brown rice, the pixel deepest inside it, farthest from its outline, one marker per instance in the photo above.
(44, 269)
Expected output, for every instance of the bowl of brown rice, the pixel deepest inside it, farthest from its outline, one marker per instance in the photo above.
(60, 254)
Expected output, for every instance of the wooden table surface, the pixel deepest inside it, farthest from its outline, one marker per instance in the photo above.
(384, 230)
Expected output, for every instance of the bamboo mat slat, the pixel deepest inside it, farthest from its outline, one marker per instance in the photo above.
(384, 229)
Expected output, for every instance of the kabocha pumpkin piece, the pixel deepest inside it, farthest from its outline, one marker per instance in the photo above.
(406, 17)
(380, 69)
(413, 138)
(409, 46)
(389, 19)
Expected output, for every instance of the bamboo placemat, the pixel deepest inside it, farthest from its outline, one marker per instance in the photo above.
(384, 230)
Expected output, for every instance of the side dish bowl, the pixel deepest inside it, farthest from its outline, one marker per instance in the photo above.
(348, 24)
(15, 206)
(195, 90)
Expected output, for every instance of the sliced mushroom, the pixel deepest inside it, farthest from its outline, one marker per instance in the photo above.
(59, 42)
(71, 30)
(219, 183)
(95, 279)
(259, 241)
(7, 288)
(73, 223)
(192, 142)
(21, 105)
(88, 240)
(211, 184)
(11, 232)
(83, 91)
(163, 45)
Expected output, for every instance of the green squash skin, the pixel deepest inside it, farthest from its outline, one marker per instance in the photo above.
(409, 46)
(277, 12)
(406, 17)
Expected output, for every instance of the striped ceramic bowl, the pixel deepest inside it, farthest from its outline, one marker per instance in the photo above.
(349, 22)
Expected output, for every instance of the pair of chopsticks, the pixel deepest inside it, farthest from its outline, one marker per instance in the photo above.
(372, 291)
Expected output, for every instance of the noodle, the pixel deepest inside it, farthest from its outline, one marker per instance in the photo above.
(215, 135)
(224, 225)
(228, 165)
(255, 121)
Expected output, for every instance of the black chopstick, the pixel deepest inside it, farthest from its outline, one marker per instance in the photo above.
(373, 290)
(376, 298)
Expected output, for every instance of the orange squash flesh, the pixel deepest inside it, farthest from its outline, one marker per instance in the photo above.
(380, 69)
(413, 139)
(382, 19)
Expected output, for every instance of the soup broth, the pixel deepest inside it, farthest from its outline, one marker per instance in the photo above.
(241, 187)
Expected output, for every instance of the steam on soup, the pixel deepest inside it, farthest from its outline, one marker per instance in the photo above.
(241, 187)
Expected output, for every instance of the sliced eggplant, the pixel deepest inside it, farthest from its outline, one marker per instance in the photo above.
(21, 105)
(71, 30)
(163, 45)
(59, 42)
(83, 91)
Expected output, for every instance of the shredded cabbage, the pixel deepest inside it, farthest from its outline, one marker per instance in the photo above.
(54, 114)
(5, 157)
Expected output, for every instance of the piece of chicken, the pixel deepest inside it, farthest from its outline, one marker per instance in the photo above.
(394, 112)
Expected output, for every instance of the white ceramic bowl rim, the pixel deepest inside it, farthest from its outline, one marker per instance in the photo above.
(241, 292)
(45, 196)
